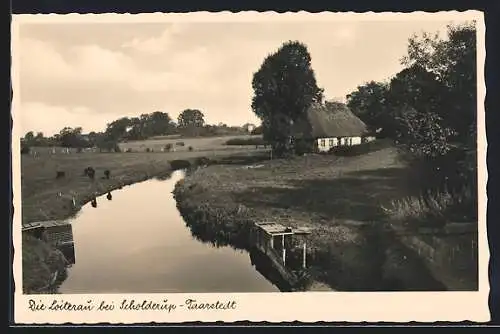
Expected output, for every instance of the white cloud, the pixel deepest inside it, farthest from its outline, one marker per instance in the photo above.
(39, 59)
(205, 66)
(155, 45)
(37, 116)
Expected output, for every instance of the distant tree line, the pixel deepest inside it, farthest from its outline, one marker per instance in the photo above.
(190, 123)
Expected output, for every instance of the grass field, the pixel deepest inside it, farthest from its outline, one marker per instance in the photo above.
(198, 144)
(44, 197)
(341, 198)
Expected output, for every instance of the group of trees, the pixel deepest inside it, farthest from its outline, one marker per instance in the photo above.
(428, 108)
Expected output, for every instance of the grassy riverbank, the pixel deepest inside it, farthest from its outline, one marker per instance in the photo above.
(342, 199)
(45, 198)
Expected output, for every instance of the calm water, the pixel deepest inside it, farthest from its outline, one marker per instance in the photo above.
(138, 243)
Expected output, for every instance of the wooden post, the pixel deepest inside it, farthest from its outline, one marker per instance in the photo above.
(283, 248)
(304, 256)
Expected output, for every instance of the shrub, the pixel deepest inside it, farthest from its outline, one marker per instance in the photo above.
(360, 149)
(180, 164)
(148, 149)
(203, 161)
(246, 141)
(435, 209)
(168, 147)
(190, 148)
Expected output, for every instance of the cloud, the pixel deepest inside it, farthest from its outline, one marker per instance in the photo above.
(155, 45)
(37, 116)
(132, 69)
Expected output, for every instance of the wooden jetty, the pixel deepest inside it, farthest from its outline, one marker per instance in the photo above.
(268, 231)
(56, 232)
(263, 238)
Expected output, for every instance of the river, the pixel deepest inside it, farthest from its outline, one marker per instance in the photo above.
(137, 242)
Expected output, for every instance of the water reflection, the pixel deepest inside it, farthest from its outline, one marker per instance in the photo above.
(139, 243)
(290, 277)
(68, 251)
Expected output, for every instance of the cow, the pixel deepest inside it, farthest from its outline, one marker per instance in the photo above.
(90, 172)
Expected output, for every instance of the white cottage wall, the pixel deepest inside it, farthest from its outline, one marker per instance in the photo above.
(325, 144)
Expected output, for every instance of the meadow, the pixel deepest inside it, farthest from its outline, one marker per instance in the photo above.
(343, 199)
(46, 197)
(349, 200)
(197, 144)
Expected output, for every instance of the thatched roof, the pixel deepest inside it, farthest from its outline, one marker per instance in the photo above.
(333, 119)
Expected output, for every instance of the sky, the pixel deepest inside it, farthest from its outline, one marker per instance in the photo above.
(91, 74)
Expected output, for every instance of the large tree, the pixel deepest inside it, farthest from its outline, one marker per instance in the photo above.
(368, 102)
(117, 129)
(71, 137)
(191, 121)
(284, 88)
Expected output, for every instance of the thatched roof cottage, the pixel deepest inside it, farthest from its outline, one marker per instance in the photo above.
(330, 125)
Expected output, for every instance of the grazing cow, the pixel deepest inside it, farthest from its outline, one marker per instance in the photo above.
(93, 202)
(60, 174)
(109, 197)
(90, 172)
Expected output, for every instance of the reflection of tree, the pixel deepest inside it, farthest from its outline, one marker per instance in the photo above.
(163, 177)
(206, 234)
(208, 231)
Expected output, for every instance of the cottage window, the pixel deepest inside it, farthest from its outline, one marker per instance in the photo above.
(331, 142)
(323, 143)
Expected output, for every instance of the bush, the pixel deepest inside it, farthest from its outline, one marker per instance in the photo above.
(203, 161)
(435, 209)
(148, 149)
(180, 164)
(168, 147)
(257, 131)
(360, 149)
(190, 148)
(246, 141)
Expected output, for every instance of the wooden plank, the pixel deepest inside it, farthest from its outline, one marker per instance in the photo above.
(302, 231)
(55, 223)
